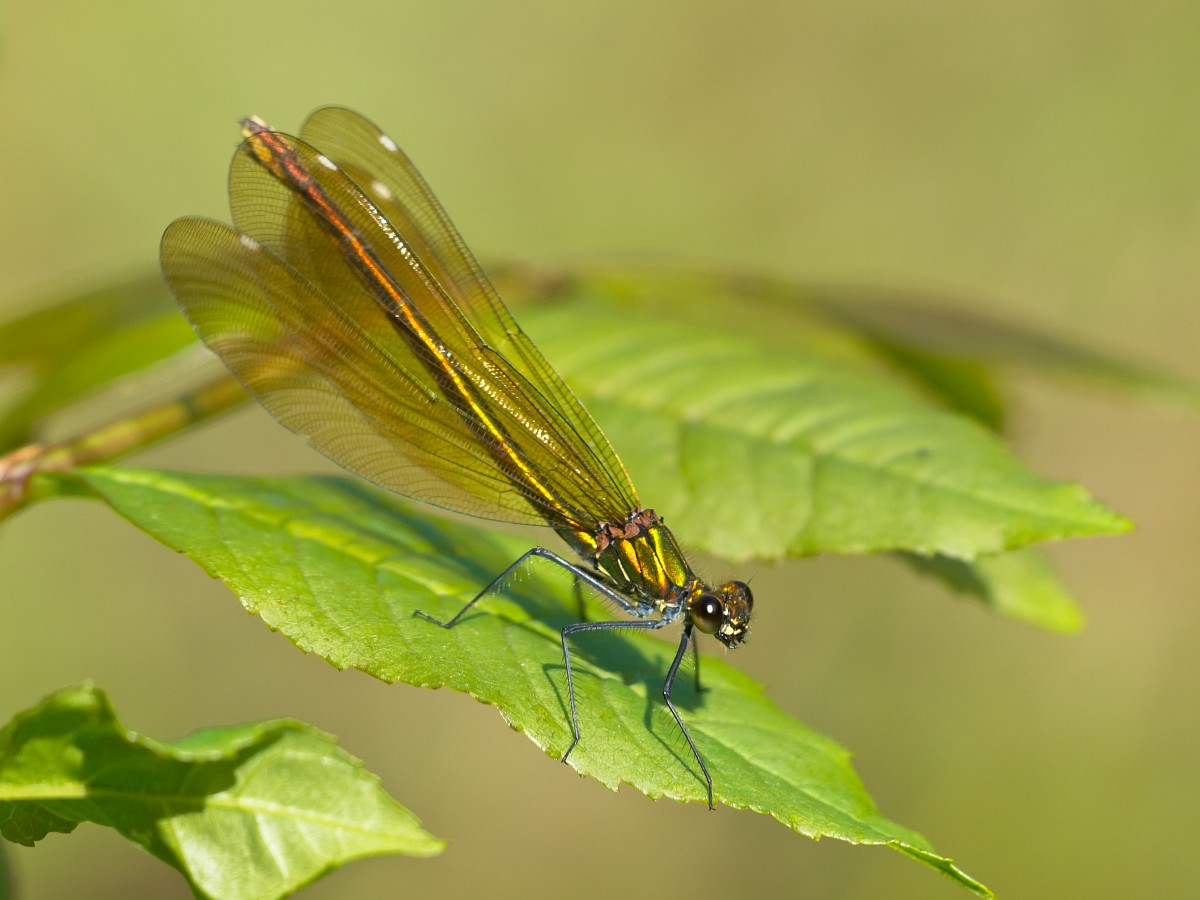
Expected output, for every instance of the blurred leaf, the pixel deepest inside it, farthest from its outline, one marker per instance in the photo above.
(761, 435)
(54, 332)
(252, 811)
(339, 568)
(82, 345)
(1019, 584)
(960, 384)
(899, 318)
(7, 888)
(922, 337)
(769, 445)
(79, 346)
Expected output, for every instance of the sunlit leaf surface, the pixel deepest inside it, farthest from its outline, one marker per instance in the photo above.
(752, 446)
(339, 569)
(253, 811)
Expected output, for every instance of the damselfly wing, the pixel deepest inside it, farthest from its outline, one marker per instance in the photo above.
(346, 302)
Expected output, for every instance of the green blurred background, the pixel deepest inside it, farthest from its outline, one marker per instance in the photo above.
(1038, 159)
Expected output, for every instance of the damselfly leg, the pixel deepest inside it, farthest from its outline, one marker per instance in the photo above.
(668, 684)
(586, 577)
(581, 608)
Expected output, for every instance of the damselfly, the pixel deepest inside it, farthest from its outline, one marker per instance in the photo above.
(346, 302)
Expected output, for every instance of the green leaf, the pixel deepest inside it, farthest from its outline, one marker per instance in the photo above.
(775, 434)
(934, 326)
(757, 437)
(1019, 584)
(769, 445)
(339, 568)
(253, 811)
(77, 347)
(962, 385)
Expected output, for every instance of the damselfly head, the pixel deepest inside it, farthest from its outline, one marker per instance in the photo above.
(723, 612)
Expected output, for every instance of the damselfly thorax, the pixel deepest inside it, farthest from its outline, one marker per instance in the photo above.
(641, 559)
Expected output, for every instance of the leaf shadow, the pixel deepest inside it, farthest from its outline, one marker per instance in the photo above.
(621, 656)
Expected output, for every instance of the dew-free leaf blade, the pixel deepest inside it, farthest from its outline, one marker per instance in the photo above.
(938, 326)
(962, 385)
(78, 346)
(339, 569)
(253, 811)
(699, 469)
(765, 443)
(1019, 584)
(754, 445)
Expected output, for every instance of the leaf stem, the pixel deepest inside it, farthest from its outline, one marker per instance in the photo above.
(114, 439)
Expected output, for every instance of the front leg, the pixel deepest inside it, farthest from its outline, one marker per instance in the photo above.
(581, 575)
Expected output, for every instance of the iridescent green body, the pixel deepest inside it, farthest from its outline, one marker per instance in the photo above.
(642, 560)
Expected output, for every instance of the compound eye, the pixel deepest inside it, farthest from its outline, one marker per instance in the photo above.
(707, 613)
(746, 595)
